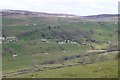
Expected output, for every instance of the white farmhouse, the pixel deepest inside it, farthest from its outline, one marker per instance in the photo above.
(14, 55)
(73, 42)
(44, 40)
(34, 24)
(61, 42)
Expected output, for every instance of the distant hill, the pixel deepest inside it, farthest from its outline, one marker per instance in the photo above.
(103, 17)
(100, 17)
(37, 14)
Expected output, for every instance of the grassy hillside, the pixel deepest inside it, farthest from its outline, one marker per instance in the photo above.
(107, 69)
(55, 41)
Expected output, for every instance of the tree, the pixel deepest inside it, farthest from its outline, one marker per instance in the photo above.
(49, 27)
(43, 35)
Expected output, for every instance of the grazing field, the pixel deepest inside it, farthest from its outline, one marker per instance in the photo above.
(31, 40)
(107, 69)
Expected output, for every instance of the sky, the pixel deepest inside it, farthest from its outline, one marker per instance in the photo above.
(77, 7)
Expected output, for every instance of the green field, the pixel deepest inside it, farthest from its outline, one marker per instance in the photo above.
(79, 36)
(107, 69)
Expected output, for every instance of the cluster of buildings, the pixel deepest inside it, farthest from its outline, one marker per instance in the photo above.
(7, 39)
(44, 40)
(60, 42)
(67, 41)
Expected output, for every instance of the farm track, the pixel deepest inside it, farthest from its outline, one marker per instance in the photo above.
(38, 68)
